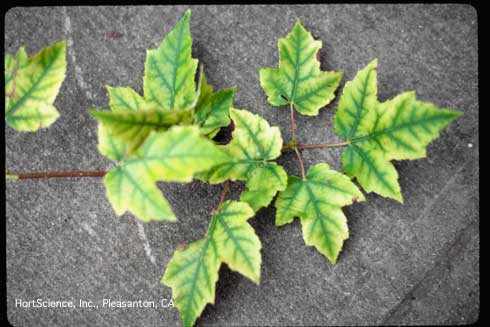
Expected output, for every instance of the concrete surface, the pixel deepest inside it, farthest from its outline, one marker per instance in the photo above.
(416, 263)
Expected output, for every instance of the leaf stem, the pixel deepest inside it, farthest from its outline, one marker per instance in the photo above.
(292, 144)
(314, 146)
(293, 124)
(55, 174)
(222, 197)
(300, 160)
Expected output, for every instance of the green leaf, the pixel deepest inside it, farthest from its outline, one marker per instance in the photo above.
(133, 127)
(377, 133)
(31, 86)
(213, 109)
(254, 144)
(317, 200)
(299, 80)
(174, 156)
(192, 272)
(170, 69)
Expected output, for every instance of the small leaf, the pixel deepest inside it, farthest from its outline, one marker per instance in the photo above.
(170, 69)
(175, 156)
(400, 128)
(263, 182)
(299, 80)
(192, 272)
(213, 109)
(317, 201)
(31, 86)
(253, 145)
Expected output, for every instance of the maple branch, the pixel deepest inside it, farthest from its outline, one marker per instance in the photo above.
(55, 174)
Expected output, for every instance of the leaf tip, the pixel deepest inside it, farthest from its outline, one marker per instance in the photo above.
(373, 64)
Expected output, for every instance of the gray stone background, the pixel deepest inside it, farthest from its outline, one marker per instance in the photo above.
(416, 263)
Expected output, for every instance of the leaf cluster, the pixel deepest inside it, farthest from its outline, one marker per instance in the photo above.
(167, 134)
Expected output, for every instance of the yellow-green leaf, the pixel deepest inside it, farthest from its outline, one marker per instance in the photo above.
(125, 98)
(174, 156)
(170, 69)
(192, 272)
(299, 80)
(132, 127)
(317, 200)
(31, 86)
(238, 245)
(263, 183)
(213, 109)
(254, 144)
(132, 188)
(376, 133)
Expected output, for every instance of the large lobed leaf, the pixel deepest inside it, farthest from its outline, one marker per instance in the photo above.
(170, 98)
(192, 272)
(317, 200)
(174, 156)
(31, 86)
(299, 80)
(254, 144)
(376, 133)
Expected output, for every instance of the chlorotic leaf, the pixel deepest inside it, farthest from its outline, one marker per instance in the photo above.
(170, 69)
(254, 144)
(238, 245)
(213, 109)
(376, 133)
(9, 64)
(170, 96)
(317, 200)
(192, 272)
(133, 189)
(298, 80)
(356, 111)
(263, 182)
(31, 86)
(133, 127)
(125, 98)
(109, 146)
(174, 156)
(374, 173)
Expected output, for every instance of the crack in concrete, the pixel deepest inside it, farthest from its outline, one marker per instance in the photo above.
(440, 262)
(78, 71)
(146, 243)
